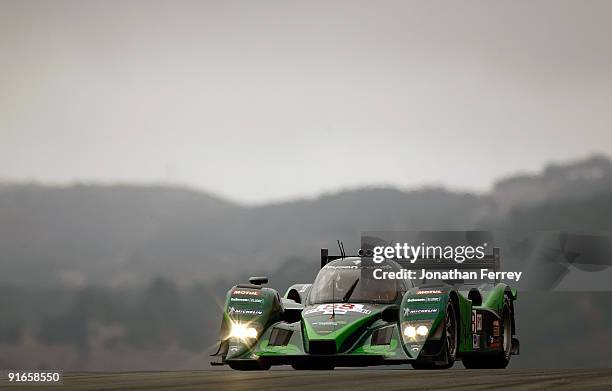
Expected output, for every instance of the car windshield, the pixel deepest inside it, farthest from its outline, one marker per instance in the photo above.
(337, 284)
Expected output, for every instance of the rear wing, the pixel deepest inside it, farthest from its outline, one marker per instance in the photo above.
(326, 258)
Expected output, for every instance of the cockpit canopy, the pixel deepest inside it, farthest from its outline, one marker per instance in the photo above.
(347, 280)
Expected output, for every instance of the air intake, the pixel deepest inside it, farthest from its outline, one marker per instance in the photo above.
(280, 337)
(382, 336)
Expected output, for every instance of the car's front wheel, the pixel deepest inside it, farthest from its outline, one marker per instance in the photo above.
(448, 353)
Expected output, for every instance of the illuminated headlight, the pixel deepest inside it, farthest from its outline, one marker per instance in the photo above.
(416, 331)
(422, 330)
(410, 331)
(243, 331)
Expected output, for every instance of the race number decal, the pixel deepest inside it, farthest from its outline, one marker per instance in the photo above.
(339, 309)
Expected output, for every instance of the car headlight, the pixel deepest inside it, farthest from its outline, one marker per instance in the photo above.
(410, 331)
(243, 331)
(422, 330)
(416, 331)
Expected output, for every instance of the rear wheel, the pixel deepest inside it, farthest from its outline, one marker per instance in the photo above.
(448, 353)
(501, 360)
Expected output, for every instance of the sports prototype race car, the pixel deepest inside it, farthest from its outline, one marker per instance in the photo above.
(343, 319)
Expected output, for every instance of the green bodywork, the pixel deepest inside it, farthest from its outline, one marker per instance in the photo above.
(350, 326)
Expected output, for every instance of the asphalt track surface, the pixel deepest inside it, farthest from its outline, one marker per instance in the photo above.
(341, 379)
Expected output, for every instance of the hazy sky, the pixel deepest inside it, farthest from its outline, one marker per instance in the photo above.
(262, 101)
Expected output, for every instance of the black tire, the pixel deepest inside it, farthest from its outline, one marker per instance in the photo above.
(313, 367)
(253, 365)
(449, 347)
(501, 360)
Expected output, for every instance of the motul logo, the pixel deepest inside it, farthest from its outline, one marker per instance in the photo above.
(431, 292)
(244, 292)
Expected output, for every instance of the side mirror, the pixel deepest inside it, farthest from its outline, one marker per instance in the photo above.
(258, 280)
(293, 311)
(390, 314)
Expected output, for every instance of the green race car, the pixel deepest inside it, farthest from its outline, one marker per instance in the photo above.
(345, 319)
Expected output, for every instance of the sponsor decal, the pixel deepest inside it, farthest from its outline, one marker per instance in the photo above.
(339, 267)
(338, 309)
(239, 311)
(245, 292)
(328, 323)
(247, 300)
(422, 300)
(429, 292)
(478, 322)
(408, 311)
(475, 341)
(473, 321)
(496, 328)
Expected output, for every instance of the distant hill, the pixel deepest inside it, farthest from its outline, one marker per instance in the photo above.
(88, 233)
(573, 180)
(124, 235)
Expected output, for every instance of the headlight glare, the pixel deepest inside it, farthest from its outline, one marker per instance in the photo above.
(243, 331)
(422, 330)
(410, 331)
(416, 331)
